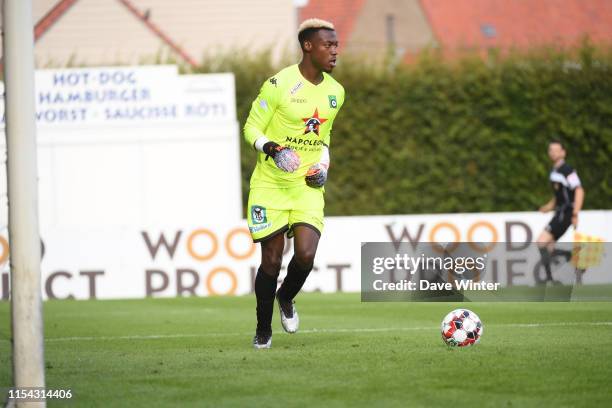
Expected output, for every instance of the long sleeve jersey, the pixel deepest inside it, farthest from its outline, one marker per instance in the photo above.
(292, 112)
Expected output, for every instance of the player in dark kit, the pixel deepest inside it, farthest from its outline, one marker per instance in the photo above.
(290, 125)
(566, 202)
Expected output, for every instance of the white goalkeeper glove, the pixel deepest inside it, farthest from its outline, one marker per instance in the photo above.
(316, 176)
(285, 158)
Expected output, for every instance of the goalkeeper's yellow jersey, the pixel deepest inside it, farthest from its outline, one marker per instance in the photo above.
(293, 112)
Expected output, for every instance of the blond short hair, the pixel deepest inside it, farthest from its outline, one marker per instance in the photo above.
(310, 26)
(315, 23)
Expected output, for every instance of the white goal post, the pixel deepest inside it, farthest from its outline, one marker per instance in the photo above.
(24, 237)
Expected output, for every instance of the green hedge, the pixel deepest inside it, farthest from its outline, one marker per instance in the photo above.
(462, 136)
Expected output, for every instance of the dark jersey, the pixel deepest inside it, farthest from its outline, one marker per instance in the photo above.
(565, 181)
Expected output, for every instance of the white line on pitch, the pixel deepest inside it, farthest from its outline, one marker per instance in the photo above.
(348, 330)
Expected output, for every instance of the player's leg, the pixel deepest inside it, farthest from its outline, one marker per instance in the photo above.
(267, 226)
(265, 286)
(547, 239)
(306, 241)
(305, 247)
(544, 242)
(306, 224)
(564, 221)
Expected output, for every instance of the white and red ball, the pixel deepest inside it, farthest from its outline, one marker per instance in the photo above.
(461, 328)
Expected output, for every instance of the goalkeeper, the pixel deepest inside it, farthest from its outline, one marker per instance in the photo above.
(289, 125)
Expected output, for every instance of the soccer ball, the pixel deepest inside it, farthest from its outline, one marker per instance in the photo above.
(461, 328)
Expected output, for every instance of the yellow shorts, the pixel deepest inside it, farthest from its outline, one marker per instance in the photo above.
(272, 211)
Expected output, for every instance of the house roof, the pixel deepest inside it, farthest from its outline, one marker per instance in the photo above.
(62, 6)
(155, 29)
(517, 23)
(51, 17)
(342, 13)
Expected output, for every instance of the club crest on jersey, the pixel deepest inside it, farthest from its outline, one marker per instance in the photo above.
(312, 123)
(258, 214)
(333, 103)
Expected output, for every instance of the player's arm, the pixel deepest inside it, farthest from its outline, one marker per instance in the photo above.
(262, 112)
(574, 183)
(316, 176)
(549, 206)
(578, 201)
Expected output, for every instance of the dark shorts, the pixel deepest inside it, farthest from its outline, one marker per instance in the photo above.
(559, 223)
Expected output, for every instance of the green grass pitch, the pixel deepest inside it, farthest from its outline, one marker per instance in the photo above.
(195, 352)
